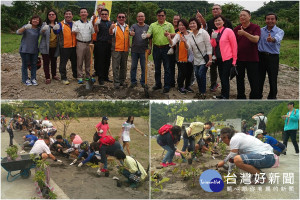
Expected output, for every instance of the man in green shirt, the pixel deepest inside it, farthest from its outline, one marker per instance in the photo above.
(159, 31)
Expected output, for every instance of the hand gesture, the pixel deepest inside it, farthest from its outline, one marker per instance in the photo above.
(28, 26)
(214, 34)
(198, 15)
(182, 39)
(269, 38)
(132, 33)
(113, 25)
(241, 31)
(56, 26)
(144, 35)
(166, 34)
(45, 27)
(208, 64)
(97, 22)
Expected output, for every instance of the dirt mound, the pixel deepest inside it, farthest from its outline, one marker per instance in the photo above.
(12, 88)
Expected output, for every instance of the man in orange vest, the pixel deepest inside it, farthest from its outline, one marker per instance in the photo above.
(67, 46)
(120, 46)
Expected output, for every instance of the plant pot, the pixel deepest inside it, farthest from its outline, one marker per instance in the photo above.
(190, 161)
(45, 192)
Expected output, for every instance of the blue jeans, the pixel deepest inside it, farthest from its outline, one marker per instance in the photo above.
(134, 62)
(259, 161)
(26, 59)
(169, 155)
(200, 73)
(160, 56)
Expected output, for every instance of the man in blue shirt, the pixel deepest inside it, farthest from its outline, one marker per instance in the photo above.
(278, 147)
(30, 139)
(269, 49)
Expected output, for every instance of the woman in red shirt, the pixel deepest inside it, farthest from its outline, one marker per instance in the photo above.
(101, 129)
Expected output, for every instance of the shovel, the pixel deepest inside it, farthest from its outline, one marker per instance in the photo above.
(146, 74)
(91, 81)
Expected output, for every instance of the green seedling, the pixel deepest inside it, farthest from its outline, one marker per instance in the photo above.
(52, 195)
(158, 184)
(222, 147)
(12, 152)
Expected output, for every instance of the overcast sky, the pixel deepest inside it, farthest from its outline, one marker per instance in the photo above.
(251, 5)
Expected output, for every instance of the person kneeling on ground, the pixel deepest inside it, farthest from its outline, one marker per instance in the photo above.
(253, 153)
(89, 152)
(106, 150)
(76, 141)
(30, 139)
(60, 145)
(278, 147)
(130, 168)
(168, 141)
(41, 149)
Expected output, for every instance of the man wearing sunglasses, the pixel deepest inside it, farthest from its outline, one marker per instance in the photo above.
(247, 153)
(103, 46)
(159, 31)
(120, 47)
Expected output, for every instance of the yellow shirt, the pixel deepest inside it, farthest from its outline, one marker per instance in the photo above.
(195, 127)
(130, 164)
(53, 39)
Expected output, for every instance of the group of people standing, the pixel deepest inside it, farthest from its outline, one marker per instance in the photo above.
(198, 45)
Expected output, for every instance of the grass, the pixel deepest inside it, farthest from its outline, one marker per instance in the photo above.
(289, 51)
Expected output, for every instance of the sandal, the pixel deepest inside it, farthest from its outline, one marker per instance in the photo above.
(48, 81)
(56, 78)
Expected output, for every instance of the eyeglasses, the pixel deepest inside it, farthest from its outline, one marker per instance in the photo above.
(160, 15)
(121, 17)
(104, 14)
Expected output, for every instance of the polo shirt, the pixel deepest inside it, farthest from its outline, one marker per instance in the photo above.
(86, 30)
(157, 31)
(270, 47)
(40, 147)
(247, 50)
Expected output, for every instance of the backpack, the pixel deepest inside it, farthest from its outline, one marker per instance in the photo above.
(107, 140)
(262, 124)
(165, 129)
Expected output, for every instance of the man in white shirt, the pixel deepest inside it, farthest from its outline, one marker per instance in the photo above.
(41, 149)
(84, 30)
(247, 152)
(261, 121)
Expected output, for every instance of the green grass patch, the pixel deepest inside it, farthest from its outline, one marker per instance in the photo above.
(289, 53)
(10, 42)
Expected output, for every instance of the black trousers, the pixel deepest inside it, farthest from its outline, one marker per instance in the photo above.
(292, 134)
(172, 63)
(252, 73)
(11, 136)
(185, 71)
(224, 73)
(102, 59)
(268, 63)
(65, 55)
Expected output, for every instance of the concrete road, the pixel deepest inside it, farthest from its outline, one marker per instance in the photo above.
(21, 188)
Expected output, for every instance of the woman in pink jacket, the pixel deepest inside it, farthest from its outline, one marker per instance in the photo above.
(225, 47)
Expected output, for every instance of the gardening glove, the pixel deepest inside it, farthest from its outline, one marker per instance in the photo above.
(45, 27)
(97, 22)
(56, 26)
(99, 172)
(66, 151)
(28, 26)
(80, 164)
(171, 51)
(74, 161)
(59, 161)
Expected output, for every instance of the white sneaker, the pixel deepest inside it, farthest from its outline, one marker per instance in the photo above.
(22, 151)
(28, 82)
(99, 172)
(296, 154)
(34, 82)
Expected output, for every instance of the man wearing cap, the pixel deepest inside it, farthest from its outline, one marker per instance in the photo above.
(278, 147)
(248, 153)
(42, 149)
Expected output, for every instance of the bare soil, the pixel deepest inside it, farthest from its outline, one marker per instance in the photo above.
(12, 88)
(84, 183)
